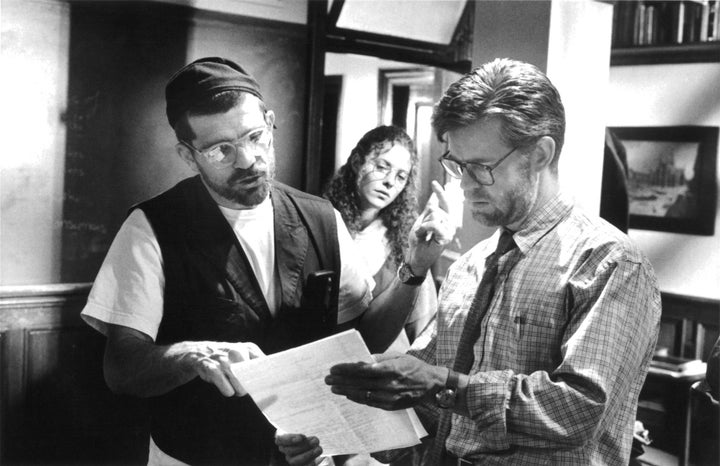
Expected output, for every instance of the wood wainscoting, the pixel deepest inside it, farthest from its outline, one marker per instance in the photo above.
(56, 409)
(54, 405)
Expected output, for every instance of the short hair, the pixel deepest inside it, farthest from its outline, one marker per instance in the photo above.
(219, 102)
(518, 94)
(342, 190)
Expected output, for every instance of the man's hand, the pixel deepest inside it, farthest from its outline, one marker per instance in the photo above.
(298, 449)
(395, 381)
(211, 362)
(431, 232)
(135, 365)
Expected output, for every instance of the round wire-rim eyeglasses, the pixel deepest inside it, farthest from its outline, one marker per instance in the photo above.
(225, 153)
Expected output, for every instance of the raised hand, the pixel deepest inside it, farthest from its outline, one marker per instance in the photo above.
(431, 232)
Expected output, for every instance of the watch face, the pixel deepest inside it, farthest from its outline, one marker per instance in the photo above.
(406, 276)
(445, 398)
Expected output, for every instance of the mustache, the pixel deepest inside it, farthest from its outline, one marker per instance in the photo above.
(240, 174)
(475, 193)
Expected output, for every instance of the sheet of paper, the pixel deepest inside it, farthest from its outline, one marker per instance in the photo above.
(290, 390)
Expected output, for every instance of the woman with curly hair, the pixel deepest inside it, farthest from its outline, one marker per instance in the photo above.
(375, 191)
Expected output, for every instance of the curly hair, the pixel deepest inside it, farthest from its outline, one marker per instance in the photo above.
(398, 216)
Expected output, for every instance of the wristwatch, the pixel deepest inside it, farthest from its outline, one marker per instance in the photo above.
(406, 275)
(447, 397)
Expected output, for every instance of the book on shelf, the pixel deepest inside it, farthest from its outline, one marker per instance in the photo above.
(638, 23)
(677, 364)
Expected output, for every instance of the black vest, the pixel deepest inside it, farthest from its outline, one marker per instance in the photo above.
(211, 293)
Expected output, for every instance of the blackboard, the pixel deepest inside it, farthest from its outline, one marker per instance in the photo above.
(120, 149)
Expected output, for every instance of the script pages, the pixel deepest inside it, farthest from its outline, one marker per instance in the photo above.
(290, 390)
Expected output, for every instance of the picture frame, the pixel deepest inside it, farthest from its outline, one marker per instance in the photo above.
(671, 177)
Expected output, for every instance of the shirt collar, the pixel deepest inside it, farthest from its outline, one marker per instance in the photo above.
(540, 222)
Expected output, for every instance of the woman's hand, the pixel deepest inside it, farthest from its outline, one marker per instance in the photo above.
(431, 232)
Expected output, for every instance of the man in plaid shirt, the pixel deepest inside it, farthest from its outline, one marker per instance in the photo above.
(564, 345)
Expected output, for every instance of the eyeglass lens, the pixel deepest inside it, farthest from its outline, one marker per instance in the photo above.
(382, 170)
(226, 153)
(480, 173)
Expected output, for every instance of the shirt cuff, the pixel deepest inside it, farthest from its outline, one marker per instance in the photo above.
(99, 317)
(488, 399)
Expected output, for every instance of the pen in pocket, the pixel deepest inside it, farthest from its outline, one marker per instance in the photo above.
(519, 322)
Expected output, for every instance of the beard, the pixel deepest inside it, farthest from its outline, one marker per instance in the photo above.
(246, 196)
(246, 187)
(513, 205)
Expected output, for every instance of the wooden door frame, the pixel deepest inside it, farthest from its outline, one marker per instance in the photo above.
(324, 36)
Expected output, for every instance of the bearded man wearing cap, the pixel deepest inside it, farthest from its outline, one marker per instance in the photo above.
(230, 265)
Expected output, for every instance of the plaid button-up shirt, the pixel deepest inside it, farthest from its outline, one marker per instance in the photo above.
(564, 347)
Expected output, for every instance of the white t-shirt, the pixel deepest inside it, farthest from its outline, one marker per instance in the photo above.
(254, 230)
(128, 290)
(368, 240)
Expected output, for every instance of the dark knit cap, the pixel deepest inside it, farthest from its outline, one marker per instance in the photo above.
(203, 78)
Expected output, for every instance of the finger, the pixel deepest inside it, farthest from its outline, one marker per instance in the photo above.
(244, 351)
(210, 371)
(387, 355)
(254, 350)
(376, 398)
(442, 199)
(291, 440)
(358, 395)
(362, 384)
(230, 377)
(239, 353)
(298, 449)
(362, 369)
(303, 459)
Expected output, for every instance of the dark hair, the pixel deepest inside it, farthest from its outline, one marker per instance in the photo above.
(518, 94)
(220, 102)
(342, 190)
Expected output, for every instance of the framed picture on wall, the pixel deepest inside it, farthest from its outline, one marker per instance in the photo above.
(671, 177)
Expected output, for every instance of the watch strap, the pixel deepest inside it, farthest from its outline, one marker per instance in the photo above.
(447, 396)
(408, 277)
(453, 380)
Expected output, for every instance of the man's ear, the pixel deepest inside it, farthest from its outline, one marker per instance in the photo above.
(187, 156)
(544, 152)
(270, 118)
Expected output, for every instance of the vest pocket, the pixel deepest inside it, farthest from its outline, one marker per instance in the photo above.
(217, 319)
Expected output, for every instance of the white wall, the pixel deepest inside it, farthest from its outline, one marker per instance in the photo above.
(578, 57)
(34, 59)
(668, 95)
(358, 112)
(33, 96)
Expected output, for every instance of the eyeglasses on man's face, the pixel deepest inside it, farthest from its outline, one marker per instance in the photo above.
(381, 170)
(480, 172)
(226, 153)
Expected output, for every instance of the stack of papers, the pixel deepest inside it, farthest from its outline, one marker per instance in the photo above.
(290, 390)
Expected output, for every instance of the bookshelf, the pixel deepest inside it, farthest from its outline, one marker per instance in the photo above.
(654, 32)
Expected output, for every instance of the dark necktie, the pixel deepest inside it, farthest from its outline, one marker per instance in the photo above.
(471, 331)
